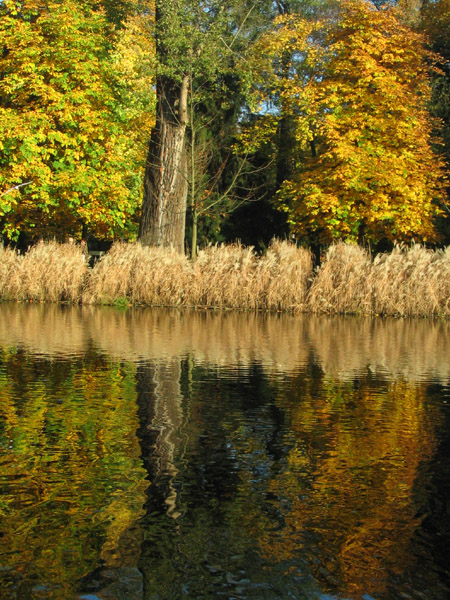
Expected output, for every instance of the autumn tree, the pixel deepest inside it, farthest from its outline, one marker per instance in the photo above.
(364, 165)
(435, 23)
(67, 126)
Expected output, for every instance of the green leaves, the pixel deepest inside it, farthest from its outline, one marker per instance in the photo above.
(65, 122)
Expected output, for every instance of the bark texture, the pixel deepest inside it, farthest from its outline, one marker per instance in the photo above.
(163, 215)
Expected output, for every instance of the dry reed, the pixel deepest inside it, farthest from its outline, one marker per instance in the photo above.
(283, 276)
(160, 277)
(234, 277)
(340, 285)
(10, 274)
(224, 277)
(411, 281)
(153, 276)
(49, 272)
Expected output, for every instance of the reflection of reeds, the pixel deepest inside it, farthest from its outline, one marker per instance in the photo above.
(411, 281)
(343, 346)
(47, 329)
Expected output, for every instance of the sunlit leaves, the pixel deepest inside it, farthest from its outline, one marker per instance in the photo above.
(375, 174)
(356, 89)
(63, 122)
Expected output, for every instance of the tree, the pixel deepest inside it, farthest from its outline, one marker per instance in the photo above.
(199, 47)
(435, 23)
(365, 168)
(64, 122)
(271, 128)
(191, 47)
(219, 180)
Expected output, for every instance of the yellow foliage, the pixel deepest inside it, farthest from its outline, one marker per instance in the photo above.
(70, 124)
(356, 90)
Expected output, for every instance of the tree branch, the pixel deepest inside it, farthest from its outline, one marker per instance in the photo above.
(16, 187)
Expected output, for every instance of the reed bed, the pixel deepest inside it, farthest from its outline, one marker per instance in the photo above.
(224, 277)
(49, 272)
(409, 281)
(284, 274)
(234, 277)
(10, 274)
(161, 277)
(138, 275)
(340, 285)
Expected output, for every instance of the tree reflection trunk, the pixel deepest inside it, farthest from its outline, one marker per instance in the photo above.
(160, 414)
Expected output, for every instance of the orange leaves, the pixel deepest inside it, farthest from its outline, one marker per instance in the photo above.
(355, 88)
(372, 171)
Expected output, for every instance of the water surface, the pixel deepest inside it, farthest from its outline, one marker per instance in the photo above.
(153, 454)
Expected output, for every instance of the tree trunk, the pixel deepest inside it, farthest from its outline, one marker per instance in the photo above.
(165, 184)
(285, 143)
(194, 233)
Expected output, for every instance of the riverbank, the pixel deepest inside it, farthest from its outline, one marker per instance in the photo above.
(405, 282)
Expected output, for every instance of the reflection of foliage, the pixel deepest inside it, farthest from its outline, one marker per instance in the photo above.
(262, 486)
(71, 463)
(360, 453)
(291, 487)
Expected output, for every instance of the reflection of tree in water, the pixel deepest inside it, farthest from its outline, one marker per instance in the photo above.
(72, 482)
(160, 413)
(199, 503)
(350, 490)
(265, 486)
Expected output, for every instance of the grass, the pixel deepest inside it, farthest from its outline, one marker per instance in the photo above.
(409, 281)
(10, 274)
(340, 285)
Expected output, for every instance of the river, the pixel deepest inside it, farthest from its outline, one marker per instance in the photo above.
(152, 454)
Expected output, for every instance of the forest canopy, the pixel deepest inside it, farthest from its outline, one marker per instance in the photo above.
(200, 121)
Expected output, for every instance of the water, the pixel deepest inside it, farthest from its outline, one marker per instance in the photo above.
(156, 455)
